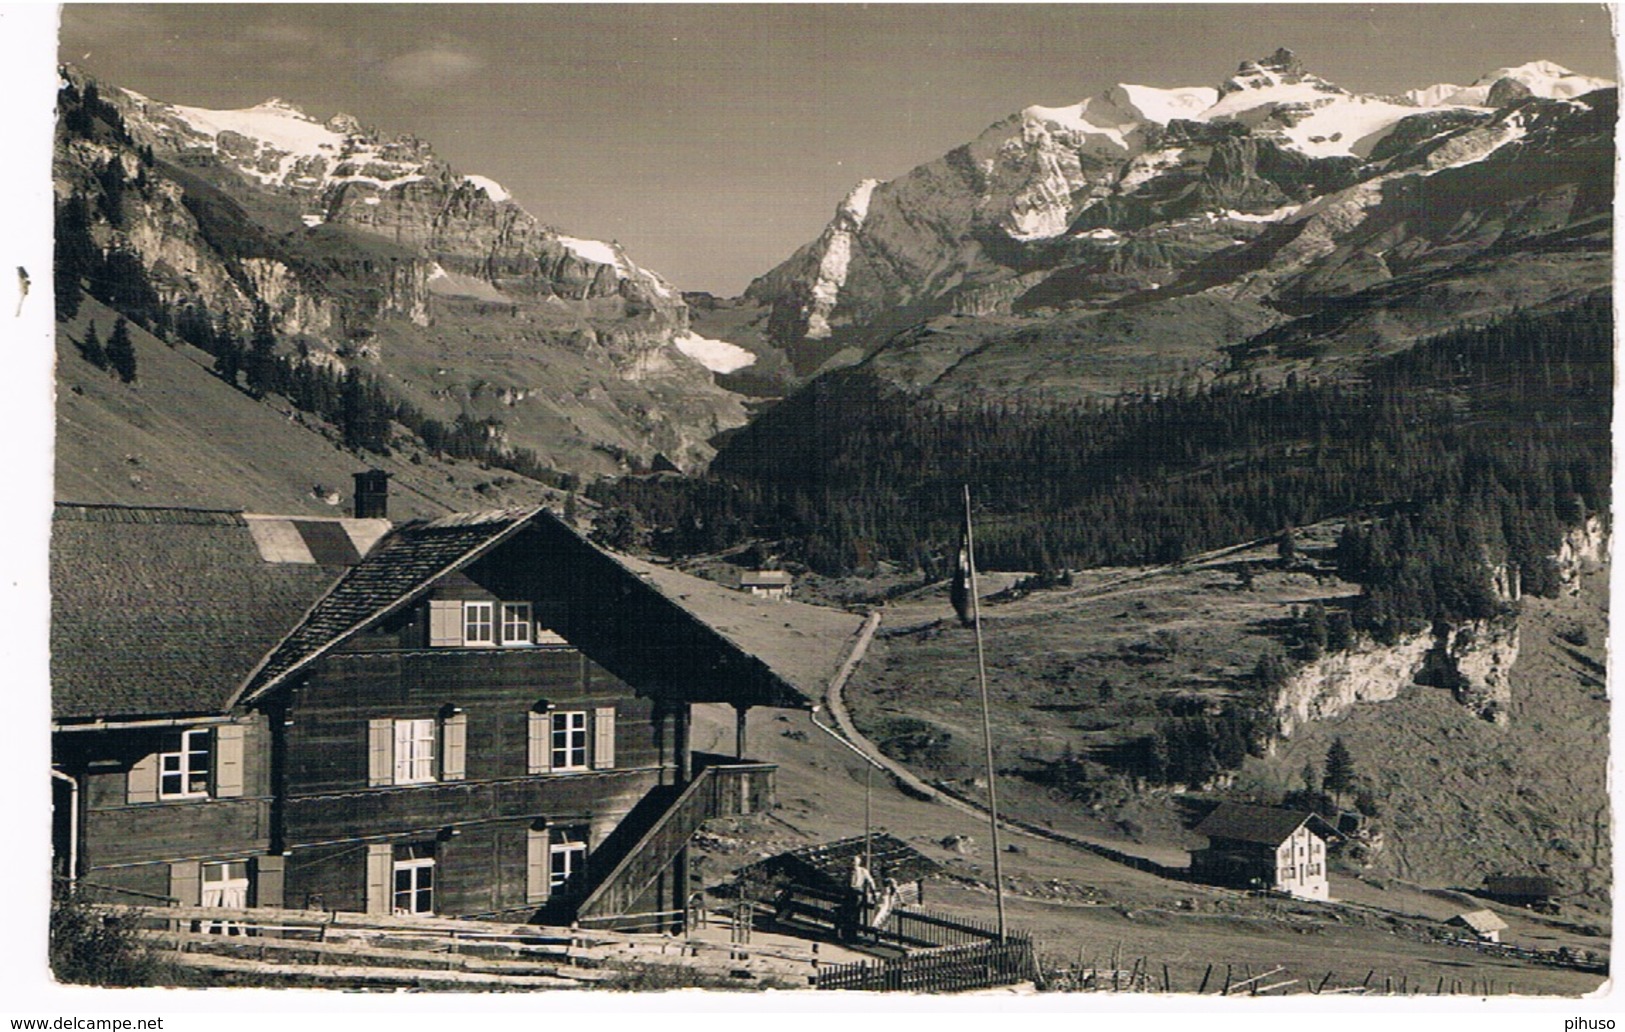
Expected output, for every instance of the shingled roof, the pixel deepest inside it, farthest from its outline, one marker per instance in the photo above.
(829, 864)
(1264, 825)
(661, 632)
(399, 570)
(163, 611)
(1480, 921)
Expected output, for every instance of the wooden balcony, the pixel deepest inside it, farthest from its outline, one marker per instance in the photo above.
(724, 790)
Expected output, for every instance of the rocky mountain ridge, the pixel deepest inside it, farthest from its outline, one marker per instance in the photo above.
(1383, 218)
(374, 253)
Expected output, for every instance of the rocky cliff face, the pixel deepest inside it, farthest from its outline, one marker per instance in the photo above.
(1473, 660)
(1276, 187)
(372, 250)
(1584, 550)
(1332, 684)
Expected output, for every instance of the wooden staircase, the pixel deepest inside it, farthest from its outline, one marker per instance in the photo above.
(726, 790)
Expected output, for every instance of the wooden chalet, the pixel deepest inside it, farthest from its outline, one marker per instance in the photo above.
(1521, 890)
(476, 715)
(1264, 847)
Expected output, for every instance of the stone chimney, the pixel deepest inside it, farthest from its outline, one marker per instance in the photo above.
(372, 495)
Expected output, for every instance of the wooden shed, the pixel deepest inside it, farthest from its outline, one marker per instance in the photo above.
(1486, 925)
(828, 865)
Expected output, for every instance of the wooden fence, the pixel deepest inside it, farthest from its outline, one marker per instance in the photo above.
(929, 928)
(360, 949)
(944, 969)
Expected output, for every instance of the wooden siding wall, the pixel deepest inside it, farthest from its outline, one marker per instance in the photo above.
(115, 831)
(597, 799)
(480, 824)
(497, 688)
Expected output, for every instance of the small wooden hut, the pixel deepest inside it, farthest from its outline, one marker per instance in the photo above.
(1486, 925)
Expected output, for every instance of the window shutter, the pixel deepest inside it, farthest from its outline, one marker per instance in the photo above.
(537, 874)
(186, 882)
(540, 743)
(228, 761)
(142, 786)
(380, 752)
(268, 880)
(454, 747)
(380, 868)
(603, 738)
(445, 622)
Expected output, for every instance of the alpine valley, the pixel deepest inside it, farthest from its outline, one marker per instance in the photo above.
(1286, 411)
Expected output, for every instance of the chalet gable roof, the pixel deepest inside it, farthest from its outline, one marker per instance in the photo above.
(641, 625)
(396, 572)
(1263, 825)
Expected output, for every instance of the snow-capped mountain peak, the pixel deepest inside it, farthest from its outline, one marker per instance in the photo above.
(1535, 79)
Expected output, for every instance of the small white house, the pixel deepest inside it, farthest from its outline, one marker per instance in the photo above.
(774, 584)
(1264, 847)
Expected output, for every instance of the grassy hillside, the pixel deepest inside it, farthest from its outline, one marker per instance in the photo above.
(1085, 909)
(180, 436)
(1078, 674)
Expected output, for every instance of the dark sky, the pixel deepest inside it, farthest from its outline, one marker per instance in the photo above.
(712, 140)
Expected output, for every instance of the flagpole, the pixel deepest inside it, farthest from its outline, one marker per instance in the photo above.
(987, 728)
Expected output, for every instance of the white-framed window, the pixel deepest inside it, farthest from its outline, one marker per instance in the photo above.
(183, 771)
(566, 860)
(479, 626)
(225, 884)
(516, 623)
(414, 751)
(569, 740)
(413, 871)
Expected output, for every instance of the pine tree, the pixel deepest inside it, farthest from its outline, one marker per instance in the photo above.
(121, 351)
(260, 362)
(1339, 776)
(91, 348)
(1287, 546)
(75, 256)
(228, 353)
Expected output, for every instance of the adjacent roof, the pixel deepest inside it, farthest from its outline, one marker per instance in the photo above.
(163, 611)
(803, 644)
(830, 863)
(1265, 825)
(1480, 921)
(397, 571)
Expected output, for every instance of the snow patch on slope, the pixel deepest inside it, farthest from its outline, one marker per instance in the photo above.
(274, 122)
(1164, 105)
(832, 267)
(593, 251)
(719, 356)
(492, 188)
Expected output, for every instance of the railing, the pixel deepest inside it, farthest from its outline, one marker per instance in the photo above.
(720, 791)
(945, 969)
